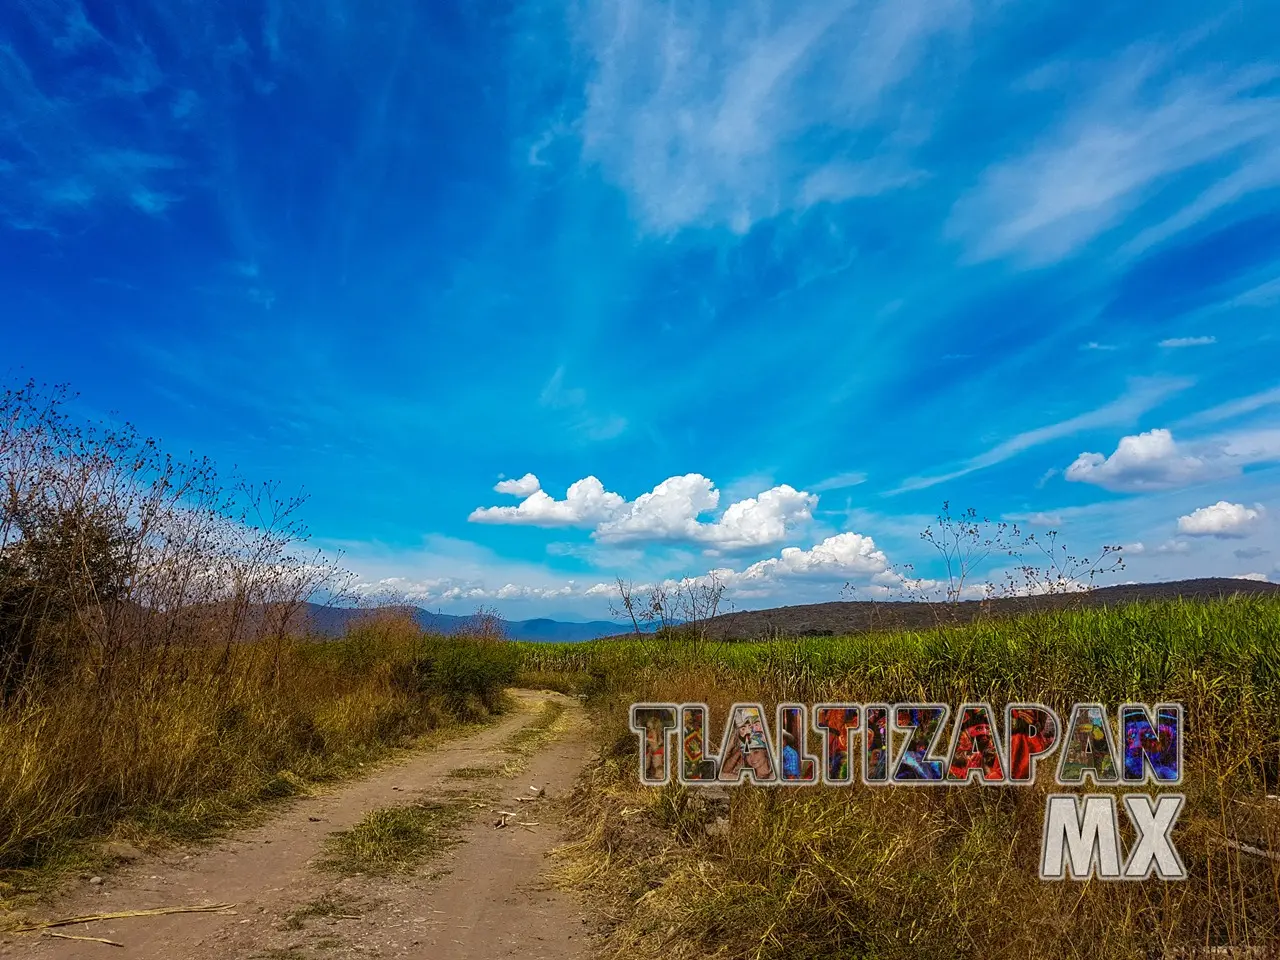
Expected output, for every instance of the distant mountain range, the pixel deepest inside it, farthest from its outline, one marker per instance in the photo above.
(815, 618)
(333, 622)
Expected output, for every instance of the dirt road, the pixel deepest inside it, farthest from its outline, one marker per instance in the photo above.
(484, 898)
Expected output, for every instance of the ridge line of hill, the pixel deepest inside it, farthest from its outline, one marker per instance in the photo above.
(816, 619)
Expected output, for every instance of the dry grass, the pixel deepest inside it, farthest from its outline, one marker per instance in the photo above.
(394, 839)
(149, 685)
(186, 753)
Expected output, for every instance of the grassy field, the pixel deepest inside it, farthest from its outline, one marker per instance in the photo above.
(859, 872)
(179, 747)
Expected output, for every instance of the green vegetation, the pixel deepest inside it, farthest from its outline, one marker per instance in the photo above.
(394, 839)
(859, 872)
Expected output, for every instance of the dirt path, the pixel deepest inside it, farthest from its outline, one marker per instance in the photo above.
(484, 898)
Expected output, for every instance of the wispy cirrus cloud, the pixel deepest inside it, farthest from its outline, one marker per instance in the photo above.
(1143, 123)
(1175, 343)
(1143, 395)
(841, 481)
(571, 403)
(1234, 408)
(60, 159)
(701, 113)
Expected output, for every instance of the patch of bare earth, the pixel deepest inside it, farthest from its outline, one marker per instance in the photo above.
(481, 895)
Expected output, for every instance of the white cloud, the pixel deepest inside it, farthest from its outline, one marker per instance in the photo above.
(1145, 123)
(1234, 408)
(1176, 342)
(1142, 395)
(1222, 519)
(513, 591)
(841, 556)
(1260, 577)
(1176, 547)
(1094, 345)
(587, 503)
(840, 481)
(526, 486)
(670, 512)
(1148, 461)
(1155, 461)
(697, 111)
(453, 590)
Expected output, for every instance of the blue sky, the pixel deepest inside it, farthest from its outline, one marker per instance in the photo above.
(745, 287)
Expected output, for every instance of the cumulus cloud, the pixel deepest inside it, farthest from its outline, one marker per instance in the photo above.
(1148, 461)
(836, 559)
(587, 503)
(513, 591)
(451, 590)
(526, 486)
(1223, 520)
(1260, 577)
(1156, 461)
(668, 513)
(842, 556)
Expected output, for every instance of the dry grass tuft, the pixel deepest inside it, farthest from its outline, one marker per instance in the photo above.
(394, 839)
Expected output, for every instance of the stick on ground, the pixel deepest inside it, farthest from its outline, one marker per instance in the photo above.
(156, 912)
(69, 936)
